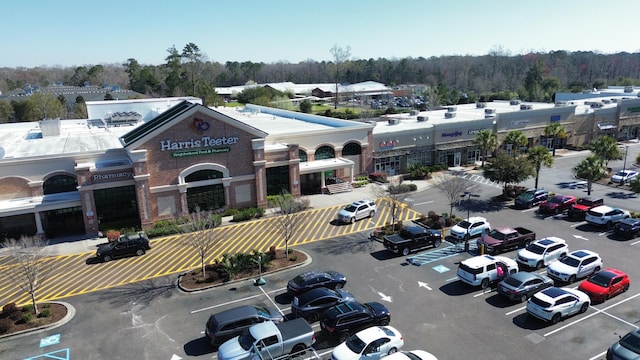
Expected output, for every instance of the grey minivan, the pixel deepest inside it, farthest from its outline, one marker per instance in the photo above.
(227, 324)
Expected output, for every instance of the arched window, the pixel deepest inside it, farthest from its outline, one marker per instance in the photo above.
(203, 175)
(325, 152)
(351, 149)
(59, 184)
(302, 155)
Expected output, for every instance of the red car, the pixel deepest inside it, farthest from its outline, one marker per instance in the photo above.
(605, 284)
(557, 204)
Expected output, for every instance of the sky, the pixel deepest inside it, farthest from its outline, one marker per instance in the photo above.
(69, 33)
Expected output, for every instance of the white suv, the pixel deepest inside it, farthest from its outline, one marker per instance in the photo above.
(471, 227)
(578, 264)
(605, 215)
(481, 270)
(357, 210)
(542, 252)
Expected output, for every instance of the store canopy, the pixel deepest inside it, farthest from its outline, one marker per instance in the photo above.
(605, 126)
(316, 166)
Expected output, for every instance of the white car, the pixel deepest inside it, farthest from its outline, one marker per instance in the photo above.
(370, 344)
(471, 227)
(411, 355)
(578, 264)
(542, 252)
(554, 303)
(481, 270)
(357, 210)
(624, 176)
(605, 215)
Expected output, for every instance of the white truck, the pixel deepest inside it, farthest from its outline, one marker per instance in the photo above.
(269, 340)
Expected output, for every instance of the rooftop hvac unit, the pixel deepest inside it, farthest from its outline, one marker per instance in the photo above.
(596, 105)
(514, 102)
(413, 112)
(525, 107)
(628, 89)
(489, 111)
(394, 121)
(561, 103)
(422, 118)
(449, 115)
(451, 109)
(489, 116)
(481, 105)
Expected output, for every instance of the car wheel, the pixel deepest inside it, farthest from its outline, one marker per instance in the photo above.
(106, 258)
(353, 220)
(609, 225)
(540, 264)
(339, 286)
(391, 351)
(405, 251)
(313, 318)
(596, 270)
(556, 211)
(343, 336)
(298, 349)
(139, 252)
(572, 279)
(485, 283)
(524, 298)
(384, 322)
(584, 308)
(371, 214)
(556, 318)
(437, 243)
(466, 237)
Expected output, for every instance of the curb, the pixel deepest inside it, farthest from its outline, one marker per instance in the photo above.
(71, 312)
(235, 281)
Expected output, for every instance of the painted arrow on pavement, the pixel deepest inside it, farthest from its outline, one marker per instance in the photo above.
(580, 237)
(424, 285)
(176, 357)
(385, 297)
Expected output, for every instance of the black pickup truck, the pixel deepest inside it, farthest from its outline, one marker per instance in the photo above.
(412, 238)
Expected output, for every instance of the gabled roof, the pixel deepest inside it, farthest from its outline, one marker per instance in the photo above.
(157, 122)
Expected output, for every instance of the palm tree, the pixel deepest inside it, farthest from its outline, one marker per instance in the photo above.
(486, 140)
(539, 155)
(606, 148)
(555, 130)
(590, 168)
(517, 139)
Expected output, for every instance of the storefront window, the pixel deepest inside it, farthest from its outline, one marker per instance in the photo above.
(302, 155)
(117, 207)
(422, 158)
(277, 180)
(59, 184)
(325, 152)
(205, 197)
(351, 149)
(203, 175)
(389, 165)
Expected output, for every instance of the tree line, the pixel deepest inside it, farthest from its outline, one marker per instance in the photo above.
(444, 80)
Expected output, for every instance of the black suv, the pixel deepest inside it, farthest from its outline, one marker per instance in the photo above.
(350, 317)
(126, 245)
(227, 324)
(531, 198)
(627, 228)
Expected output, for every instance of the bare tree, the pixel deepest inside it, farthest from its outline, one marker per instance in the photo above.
(340, 55)
(29, 267)
(392, 196)
(452, 187)
(287, 219)
(198, 225)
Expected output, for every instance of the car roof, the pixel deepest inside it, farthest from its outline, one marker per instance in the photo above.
(552, 293)
(234, 314)
(314, 294)
(307, 275)
(602, 209)
(525, 275)
(479, 260)
(614, 272)
(360, 202)
(375, 332)
(550, 240)
(476, 218)
(630, 221)
(581, 253)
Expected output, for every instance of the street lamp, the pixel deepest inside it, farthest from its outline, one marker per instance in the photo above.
(468, 195)
(626, 150)
(259, 281)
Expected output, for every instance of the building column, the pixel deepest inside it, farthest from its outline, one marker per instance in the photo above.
(184, 206)
(259, 169)
(39, 229)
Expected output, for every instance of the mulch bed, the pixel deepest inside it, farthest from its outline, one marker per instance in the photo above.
(56, 313)
(192, 280)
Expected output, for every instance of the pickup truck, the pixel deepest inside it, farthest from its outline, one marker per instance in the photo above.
(269, 340)
(412, 238)
(502, 239)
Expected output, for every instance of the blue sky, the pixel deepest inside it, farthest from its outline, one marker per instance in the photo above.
(73, 33)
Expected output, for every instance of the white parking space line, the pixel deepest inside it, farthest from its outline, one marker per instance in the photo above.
(590, 315)
(599, 356)
(423, 203)
(633, 243)
(516, 310)
(578, 224)
(529, 210)
(484, 292)
(451, 279)
(271, 299)
(236, 301)
(604, 233)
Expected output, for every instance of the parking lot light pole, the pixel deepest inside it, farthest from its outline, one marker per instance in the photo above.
(626, 150)
(260, 281)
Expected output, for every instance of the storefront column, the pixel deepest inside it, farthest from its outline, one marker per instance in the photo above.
(39, 229)
(182, 194)
(259, 169)
(351, 170)
(226, 184)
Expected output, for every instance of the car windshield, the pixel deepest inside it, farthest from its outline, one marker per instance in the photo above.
(586, 202)
(571, 261)
(556, 200)
(350, 208)
(631, 342)
(246, 340)
(411, 355)
(464, 224)
(526, 196)
(355, 344)
(262, 312)
(513, 281)
(539, 302)
(536, 249)
(497, 235)
(600, 279)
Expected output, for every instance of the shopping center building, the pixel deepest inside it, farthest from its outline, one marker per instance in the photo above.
(136, 162)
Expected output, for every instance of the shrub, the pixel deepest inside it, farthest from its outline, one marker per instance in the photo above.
(230, 212)
(28, 308)
(45, 313)
(293, 258)
(248, 214)
(9, 308)
(378, 177)
(5, 325)
(25, 318)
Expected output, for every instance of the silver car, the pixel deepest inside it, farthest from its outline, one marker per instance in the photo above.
(357, 210)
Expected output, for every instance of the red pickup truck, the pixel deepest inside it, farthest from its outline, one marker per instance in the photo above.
(503, 239)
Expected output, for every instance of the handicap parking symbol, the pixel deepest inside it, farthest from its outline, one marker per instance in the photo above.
(50, 340)
(54, 355)
(441, 269)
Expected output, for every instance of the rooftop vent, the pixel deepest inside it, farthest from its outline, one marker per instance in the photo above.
(628, 89)
(413, 112)
(561, 103)
(422, 118)
(451, 109)
(450, 115)
(489, 111)
(393, 121)
(596, 105)
(481, 105)
(50, 127)
(489, 116)
(525, 107)
(514, 102)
